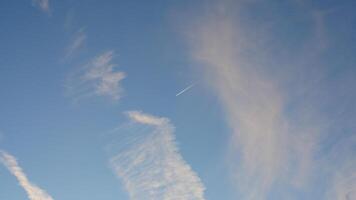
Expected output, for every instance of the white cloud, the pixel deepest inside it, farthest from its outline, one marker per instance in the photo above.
(149, 163)
(98, 77)
(146, 118)
(344, 184)
(267, 147)
(342, 165)
(77, 43)
(279, 138)
(33, 191)
(42, 4)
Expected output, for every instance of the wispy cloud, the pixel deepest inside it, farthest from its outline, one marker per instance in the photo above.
(342, 185)
(42, 4)
(98, 77)
(149, 163)
(267, 146)
(279, 138)
(33, 191)
(77, 43)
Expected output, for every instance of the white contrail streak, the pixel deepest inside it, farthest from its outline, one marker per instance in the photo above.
(185, 89)
(33, 191)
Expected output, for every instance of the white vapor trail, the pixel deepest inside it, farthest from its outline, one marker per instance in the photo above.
(185, 89)
(149, 163)
(33, 191)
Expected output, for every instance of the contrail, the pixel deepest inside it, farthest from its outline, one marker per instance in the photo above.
(185, 89)
(33, 192)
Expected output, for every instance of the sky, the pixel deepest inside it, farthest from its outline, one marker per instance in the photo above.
(178, 100)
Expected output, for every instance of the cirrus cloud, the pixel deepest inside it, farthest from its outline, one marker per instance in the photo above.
(150, 165)
(97, 78)
(42, 4)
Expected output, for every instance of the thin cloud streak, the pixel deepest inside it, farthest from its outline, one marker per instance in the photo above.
(42, 4)
(149, 163)
(33, 191)
(343, 170)
(77, 43)
(344, 184)
(253, 106)
(185, 89)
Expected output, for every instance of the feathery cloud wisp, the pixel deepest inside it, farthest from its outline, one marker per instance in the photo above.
(42, 4)
(150, 165)
(33, 191)
(343, 170)
(98, 77)
(265, 143)
(77, 43)
(344, 184)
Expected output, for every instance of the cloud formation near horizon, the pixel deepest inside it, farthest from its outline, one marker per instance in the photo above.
(149, 163)
(42, 4)
(98, 77)
(33, 191)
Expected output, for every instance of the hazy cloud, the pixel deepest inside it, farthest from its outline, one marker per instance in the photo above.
(344, 184)
(149, 163)
(267, 147)
(98, 77)
(342, 166)
(42, 4)
(33, 191)
(77, 43)
(280, 142)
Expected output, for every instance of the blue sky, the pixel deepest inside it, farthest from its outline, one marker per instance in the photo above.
(191, 99)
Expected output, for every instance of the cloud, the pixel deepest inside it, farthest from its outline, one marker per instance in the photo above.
(42, 4)
(149, 163)
(343, 170)
(77, 43)
(98, 77)
(147, 119)
(268, 147)
(33, 191)
(344, 184)
(278, 104)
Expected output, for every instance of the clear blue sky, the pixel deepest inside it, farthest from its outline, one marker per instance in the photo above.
(190, 99)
